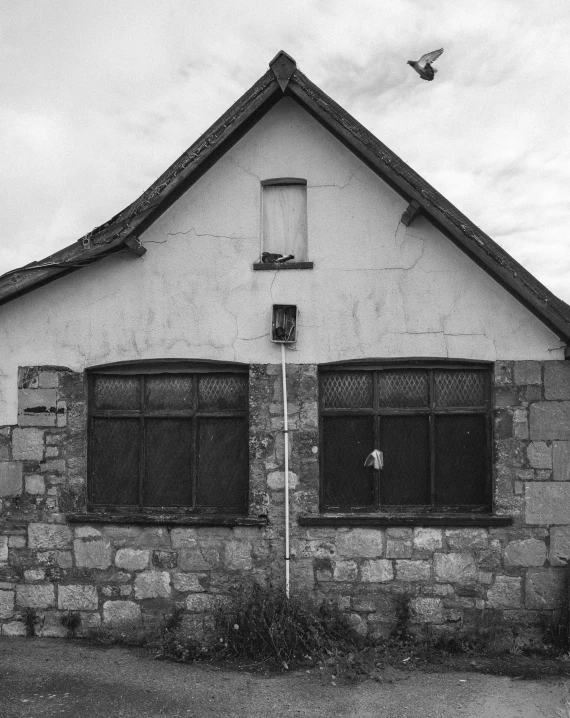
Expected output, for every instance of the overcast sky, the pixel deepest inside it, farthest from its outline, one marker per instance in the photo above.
(99, 97)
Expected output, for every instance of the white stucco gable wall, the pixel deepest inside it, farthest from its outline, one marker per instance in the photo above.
(377, 289)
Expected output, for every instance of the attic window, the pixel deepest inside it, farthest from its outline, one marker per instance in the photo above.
(284, 213)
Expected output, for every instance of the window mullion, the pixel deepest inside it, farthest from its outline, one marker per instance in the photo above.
(431, 438)
(142, 450)
(194, 425)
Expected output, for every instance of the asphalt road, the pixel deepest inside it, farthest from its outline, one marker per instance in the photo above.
(72, 679)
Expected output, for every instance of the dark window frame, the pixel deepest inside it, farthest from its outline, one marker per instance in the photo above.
(144, 370)
(431, 366)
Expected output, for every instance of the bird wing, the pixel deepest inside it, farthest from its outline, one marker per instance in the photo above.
(429, 57)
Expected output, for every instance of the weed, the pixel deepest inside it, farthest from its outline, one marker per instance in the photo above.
(71, 621)
(262, 624)
(30, 616)
(401, 630)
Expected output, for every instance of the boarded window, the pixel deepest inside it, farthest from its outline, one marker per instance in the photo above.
(169, 440)
(285, 218)
(432, 424)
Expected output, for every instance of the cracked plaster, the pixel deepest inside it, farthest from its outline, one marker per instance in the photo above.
(378, 288)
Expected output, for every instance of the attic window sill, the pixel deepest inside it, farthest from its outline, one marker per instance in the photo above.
(270, 266)
(166, 519)
(455, 520)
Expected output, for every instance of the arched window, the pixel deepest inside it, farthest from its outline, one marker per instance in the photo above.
(430, 420)
(170, 435)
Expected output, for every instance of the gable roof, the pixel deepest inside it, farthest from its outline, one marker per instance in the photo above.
(284, 79)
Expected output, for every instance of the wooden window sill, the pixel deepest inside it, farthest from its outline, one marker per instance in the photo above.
(418, 519)
(167, 519)
(269, 266)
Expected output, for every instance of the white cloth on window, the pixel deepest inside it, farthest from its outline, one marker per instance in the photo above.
(285, 220)
(376, 459)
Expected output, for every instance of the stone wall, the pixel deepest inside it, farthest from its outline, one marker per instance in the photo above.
(112, 574)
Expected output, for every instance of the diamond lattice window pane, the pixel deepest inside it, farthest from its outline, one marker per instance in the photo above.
(168, 391)
(347, 390)
(403, 389)
(117, 392)
(222, 391)
(459, 388)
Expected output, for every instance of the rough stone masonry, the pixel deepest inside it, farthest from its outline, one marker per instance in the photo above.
(118, 574)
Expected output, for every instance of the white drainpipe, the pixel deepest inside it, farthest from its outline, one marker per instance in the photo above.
(286, 432)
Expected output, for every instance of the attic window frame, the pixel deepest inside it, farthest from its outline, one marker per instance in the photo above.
(269, 266)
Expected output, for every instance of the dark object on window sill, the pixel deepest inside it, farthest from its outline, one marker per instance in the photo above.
(287, 265)
(417, 519)
(167, 519)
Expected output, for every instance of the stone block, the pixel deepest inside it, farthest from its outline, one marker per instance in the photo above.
(561, 460)
(237, 555)
(357, 624)
(164, 559)
(427, 539)
(550, 420)
(503, 424)
(503, 373)
(152, 584)
(92, 554)
(303, 575)
(77, 598)
(427, 610)
(505, 592)
(276, 480)
(454, 567)
(546, 589)
(189, 582)
(539, 455)
(14, 628)
(85, 532)
(89, 622)
(466, 539)
(527, 372)
(380, 571)
(33, 575)
(360, 543)
(35, 484)
(48, 380)
(48, 536)
(398, 549)
(557, 380)
(154, 537)
(559, 545)
(120, 535)
(198, 559)
(345, 571)
(3, 549)
(35, 595)
(37, 407)
(528, 552)
(120, 613)
(547, 503)
(6, 604)
(199, 602)
(413, 570)
(132, 559)
(64, 559)
(28, 444)
(10, 478)
(17, 541)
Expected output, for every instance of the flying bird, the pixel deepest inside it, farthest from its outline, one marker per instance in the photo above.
(423, 65)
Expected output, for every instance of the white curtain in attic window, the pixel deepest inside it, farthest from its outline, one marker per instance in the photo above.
(285, 220)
